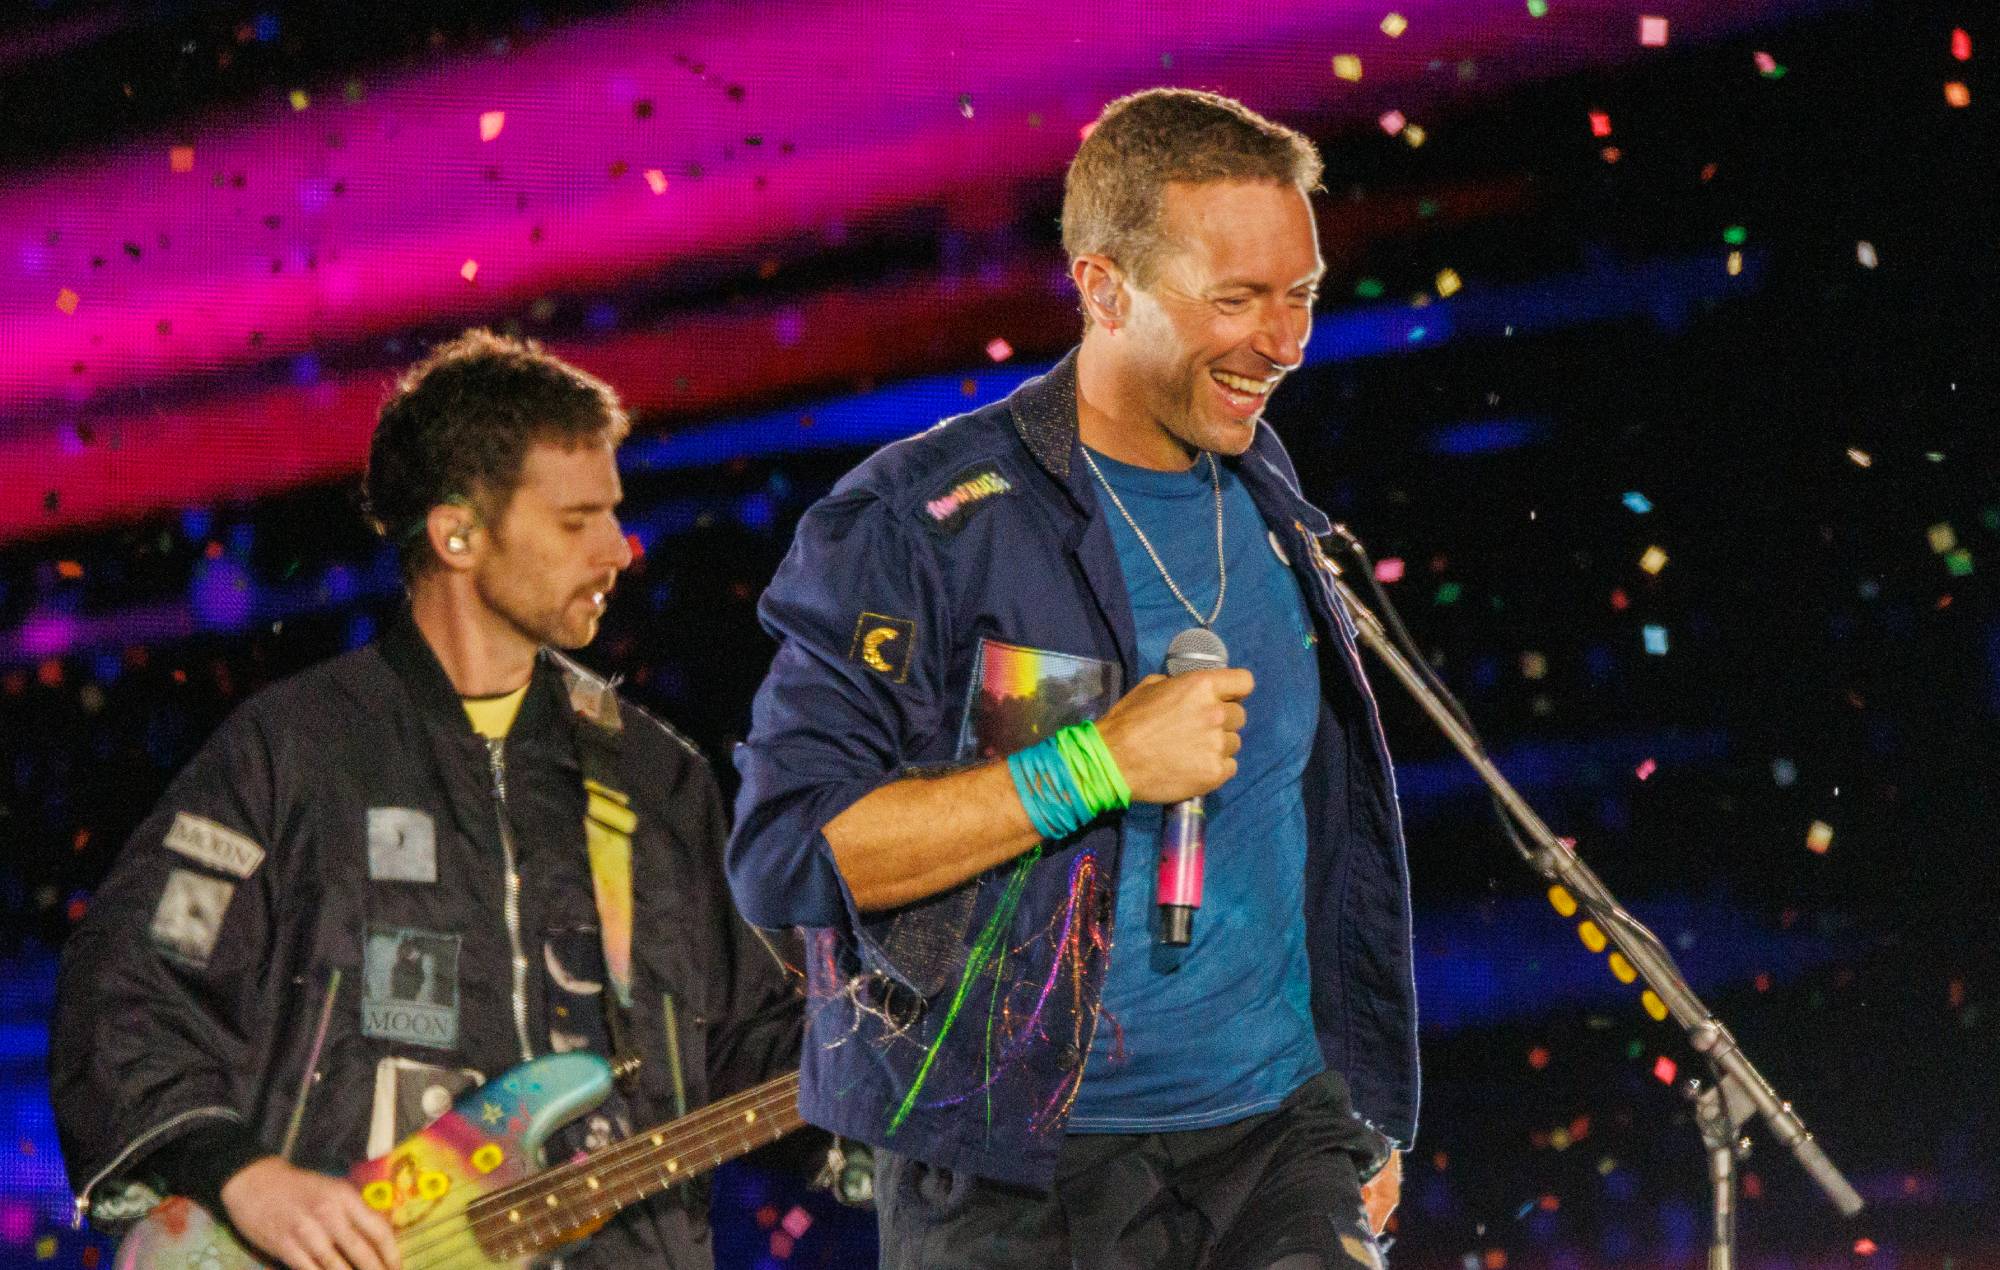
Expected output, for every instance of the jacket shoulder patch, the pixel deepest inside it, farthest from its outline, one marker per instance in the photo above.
(188, 919)
(217, 846)
(964, 495)
(884, 644)
(592, 696)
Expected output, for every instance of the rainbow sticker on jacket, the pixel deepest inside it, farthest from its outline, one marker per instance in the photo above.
(970, 491)
(1022, 695)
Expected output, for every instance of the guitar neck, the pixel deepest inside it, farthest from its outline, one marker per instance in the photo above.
(551, 1207)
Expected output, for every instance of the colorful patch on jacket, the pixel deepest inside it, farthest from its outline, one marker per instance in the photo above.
(188, 919)
(971, 491)
(884, 644)
(410, 986)
(1021, 695)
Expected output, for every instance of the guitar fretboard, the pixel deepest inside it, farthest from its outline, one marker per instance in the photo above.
(549, 1208)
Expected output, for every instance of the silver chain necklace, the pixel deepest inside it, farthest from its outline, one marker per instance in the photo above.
(1221, 566)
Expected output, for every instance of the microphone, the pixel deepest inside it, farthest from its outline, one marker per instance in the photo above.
(1183, 833)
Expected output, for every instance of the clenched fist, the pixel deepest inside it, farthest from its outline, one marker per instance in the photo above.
(1176, 738)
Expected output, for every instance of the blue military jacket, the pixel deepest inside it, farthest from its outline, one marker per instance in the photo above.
(955, 598)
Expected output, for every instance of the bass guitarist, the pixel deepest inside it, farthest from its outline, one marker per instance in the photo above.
(409, 869)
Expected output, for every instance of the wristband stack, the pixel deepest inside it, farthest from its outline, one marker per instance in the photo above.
(1068, 780)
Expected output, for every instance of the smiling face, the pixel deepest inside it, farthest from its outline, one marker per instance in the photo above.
(1224, 318)
(556, 550)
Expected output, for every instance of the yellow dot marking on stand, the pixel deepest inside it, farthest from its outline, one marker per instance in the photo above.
(432, 1184)
(1562, 901)
(488, 1157)
(1622, 969)
(1592, 937)
(379, 1196)
(1654, 1006)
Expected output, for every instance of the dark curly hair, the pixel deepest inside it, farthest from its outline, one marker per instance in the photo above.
(458, 426)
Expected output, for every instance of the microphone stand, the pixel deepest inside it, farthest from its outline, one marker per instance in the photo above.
(1739, 1090)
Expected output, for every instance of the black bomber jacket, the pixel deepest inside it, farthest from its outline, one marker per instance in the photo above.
(348, 821)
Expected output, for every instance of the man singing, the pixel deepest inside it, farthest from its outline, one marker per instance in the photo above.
(438, 849)
(959, 769)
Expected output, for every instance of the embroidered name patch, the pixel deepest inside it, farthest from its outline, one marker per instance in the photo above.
(189, 916)
(202, 840)
(969, 492)
(410, 986)
(402, 845)
(884, 645)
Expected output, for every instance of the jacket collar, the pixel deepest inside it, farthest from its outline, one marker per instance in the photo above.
(1045, 416)
(404, 648)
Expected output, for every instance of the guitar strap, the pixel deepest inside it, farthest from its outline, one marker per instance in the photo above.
(608, 824)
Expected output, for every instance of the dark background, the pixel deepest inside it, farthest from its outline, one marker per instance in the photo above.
(1812, 438)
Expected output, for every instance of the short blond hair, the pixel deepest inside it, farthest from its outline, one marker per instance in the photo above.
(1112, 194)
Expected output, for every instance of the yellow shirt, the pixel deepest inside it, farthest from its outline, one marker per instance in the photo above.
(493, 716)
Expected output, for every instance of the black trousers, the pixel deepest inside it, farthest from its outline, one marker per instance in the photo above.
(1279, 1191)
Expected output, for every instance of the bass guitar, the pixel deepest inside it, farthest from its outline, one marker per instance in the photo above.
(469, 1193)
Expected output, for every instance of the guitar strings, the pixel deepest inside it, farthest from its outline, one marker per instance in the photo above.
(613, 1167)
(535, 1225)
(485, 1212)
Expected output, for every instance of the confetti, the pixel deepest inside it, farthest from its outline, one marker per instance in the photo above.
(1656, 640)
(1448, 282)
(1819, 837)
(1736, 235)
(1394, 25)
(1600, 124)
(67, 300)
(469, 270)
(1865, 1247)
(1447, 593)
(1860, 458)
(1538, 8)
(1611, 154)
(1393, 122)
(1619, 600)
(656, 180)
(1646, 769)
(1368, 289)
(1654, 560)
(1414, 135)
(1348, 67)
(1961, 44)
(1665, 1069)
(490, 124)
(998, 349)
(1733, 264)
(1957, 94)
(965, 105)
(1638, 503)
(1768, 66)
(180, 158)
(1389, 569)
(1943, 538)
(1534, 665)
(1784, 773)
(300, 99)
(1653, 32)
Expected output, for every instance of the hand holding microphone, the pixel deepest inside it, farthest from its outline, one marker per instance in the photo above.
(1175, 737)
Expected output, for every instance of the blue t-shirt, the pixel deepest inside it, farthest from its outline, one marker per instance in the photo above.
(1221, 1029)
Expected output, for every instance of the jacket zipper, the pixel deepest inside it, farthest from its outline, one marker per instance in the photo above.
(496, 755)
(81, 1202)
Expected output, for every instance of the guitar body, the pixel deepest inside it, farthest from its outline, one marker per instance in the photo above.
(490, 1139)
